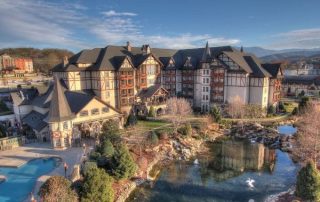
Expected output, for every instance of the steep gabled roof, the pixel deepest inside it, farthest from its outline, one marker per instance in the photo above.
(238, 58)
(256, 68)
(44, 100)
(149, 92)
(111, 57)
(59, 107)
(35, 120)
(274, 69)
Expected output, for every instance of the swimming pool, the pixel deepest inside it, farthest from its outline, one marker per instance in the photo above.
(20, 181)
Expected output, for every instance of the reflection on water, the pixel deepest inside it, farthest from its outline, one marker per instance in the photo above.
(222, 174)
(231, 158)
(287, 129)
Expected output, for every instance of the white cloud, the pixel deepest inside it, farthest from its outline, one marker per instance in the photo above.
(303, 38)
(33, 21)
(41, 23)
(112, 13)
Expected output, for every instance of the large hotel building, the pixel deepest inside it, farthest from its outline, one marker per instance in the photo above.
(123, 76)
(99, 84)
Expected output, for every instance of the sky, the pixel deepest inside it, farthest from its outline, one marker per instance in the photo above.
(83, 24)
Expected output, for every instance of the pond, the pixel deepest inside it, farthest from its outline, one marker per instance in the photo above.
(287, 130)
(20, 181)
(232, 171)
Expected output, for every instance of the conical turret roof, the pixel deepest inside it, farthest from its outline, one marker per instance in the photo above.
(59, 108)
(206, 53)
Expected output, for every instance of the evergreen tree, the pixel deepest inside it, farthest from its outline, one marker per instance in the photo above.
(97, 186)
(88, 166)
(57, 188)
(216, 114)
(152, 112)
(123, 166)
(281, 106)
(303, 103)
(271, 109)
(132, 120)
(111, 131)
(107, 149)
(308, 183)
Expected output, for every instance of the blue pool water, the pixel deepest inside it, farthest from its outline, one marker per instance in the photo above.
(20, 181)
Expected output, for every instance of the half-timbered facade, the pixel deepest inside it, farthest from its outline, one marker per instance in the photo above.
(205, 76)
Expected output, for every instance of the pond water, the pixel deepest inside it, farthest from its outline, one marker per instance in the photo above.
(223, 175)
(20, 181)
(287, 130)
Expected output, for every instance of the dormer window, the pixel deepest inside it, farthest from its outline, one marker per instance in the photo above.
(188, 62)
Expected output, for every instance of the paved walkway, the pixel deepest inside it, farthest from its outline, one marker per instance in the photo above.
(21, 155)
(260, 120)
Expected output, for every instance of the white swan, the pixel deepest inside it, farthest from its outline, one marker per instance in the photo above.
(196, 162)
(250, 182)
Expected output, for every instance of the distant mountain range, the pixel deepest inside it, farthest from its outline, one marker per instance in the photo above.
(279, 55)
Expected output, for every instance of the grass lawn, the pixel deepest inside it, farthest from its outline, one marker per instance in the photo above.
(289, 106)
(150, 124)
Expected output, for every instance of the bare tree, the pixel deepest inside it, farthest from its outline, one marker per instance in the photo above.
(178, 109)
(308, 146)
(236, 107)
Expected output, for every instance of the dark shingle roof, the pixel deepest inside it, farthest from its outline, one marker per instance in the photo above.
(111, 57)
(59, 108)
(149, 92)
(256, 68)
(24, 96)
(35, 120)
(302, 79)
(273, 68)
(77, 100)
(43, 101)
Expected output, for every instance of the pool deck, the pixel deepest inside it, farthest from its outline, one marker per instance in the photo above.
(21, 155)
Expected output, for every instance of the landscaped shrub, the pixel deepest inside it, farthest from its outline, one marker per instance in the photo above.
(281, 106)
(132, 120)
(88, 166)
(295, 111)
(57, 188)
(271, 109)
(123, 166)
(186, 130)
(162, 134)
(216, 114)
(97, 186)
(154, 138)
(303, 103)
(152, 112)
(95, 155)
(308, 183)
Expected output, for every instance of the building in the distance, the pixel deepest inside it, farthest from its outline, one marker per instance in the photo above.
(16, 64)
(124, 76)
(295, 85)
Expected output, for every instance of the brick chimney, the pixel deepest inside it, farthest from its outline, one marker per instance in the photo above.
(128, 46)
